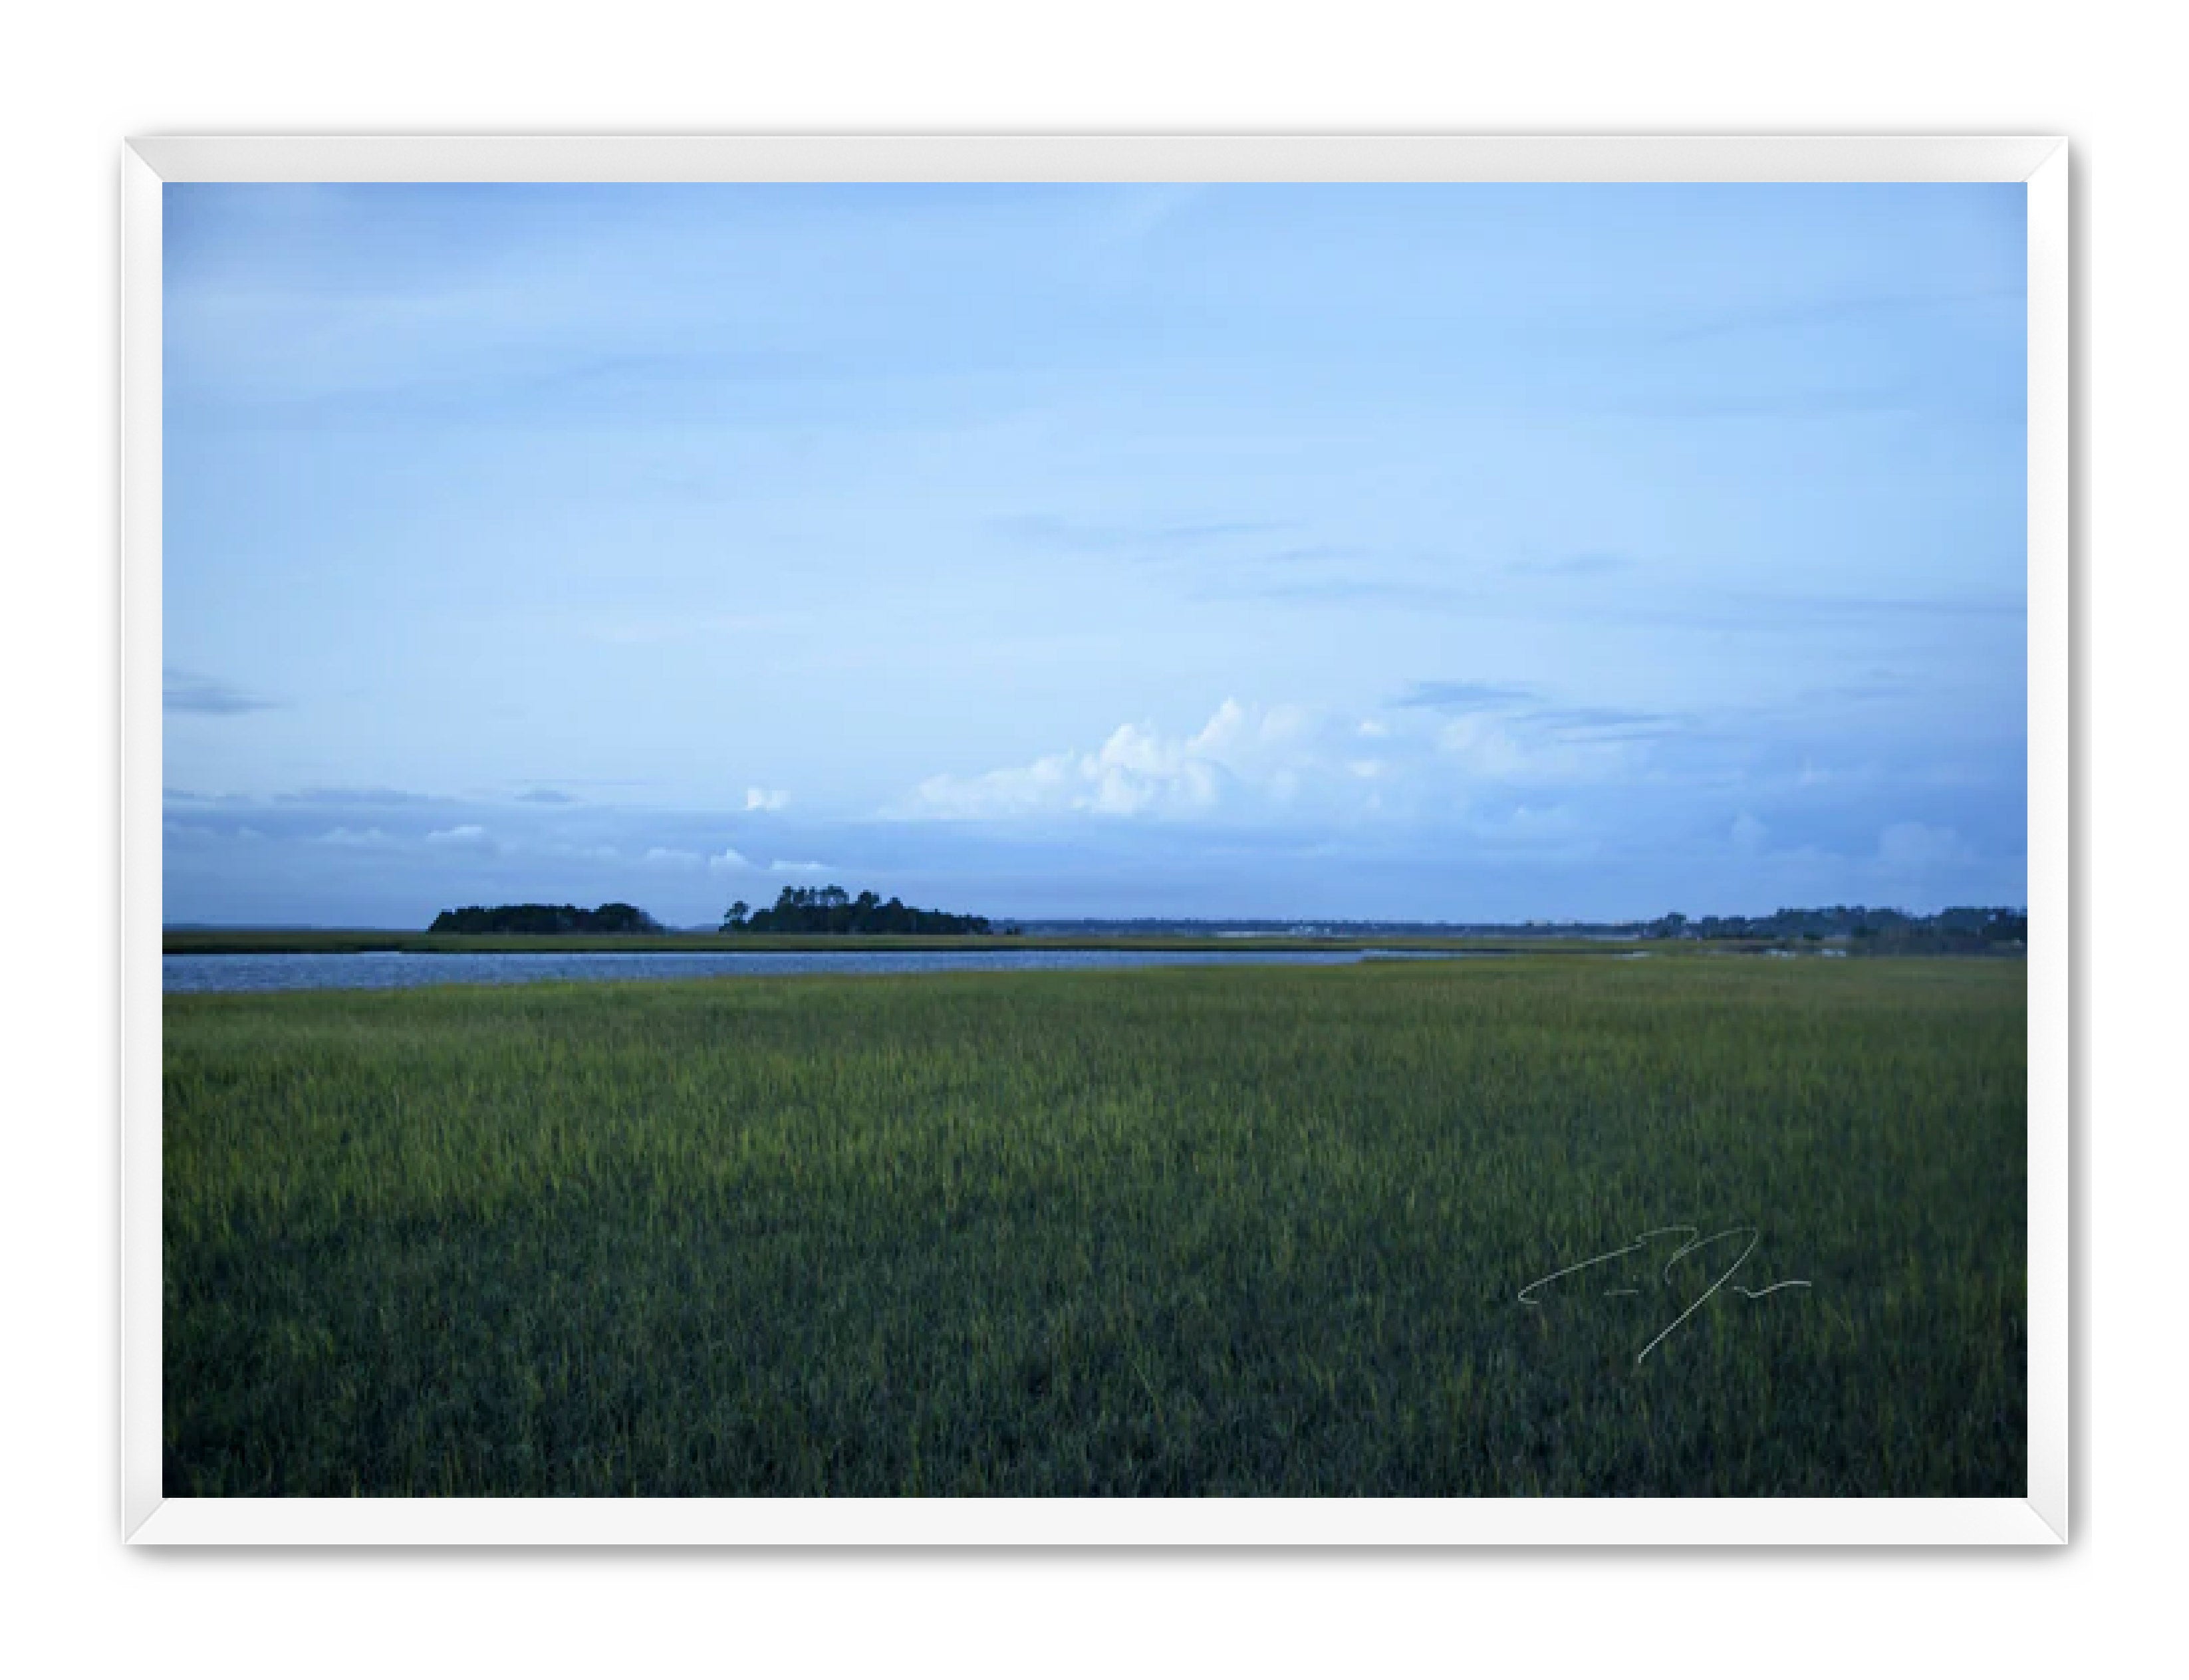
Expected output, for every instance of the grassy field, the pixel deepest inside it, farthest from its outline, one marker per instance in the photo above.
(1184, 1232)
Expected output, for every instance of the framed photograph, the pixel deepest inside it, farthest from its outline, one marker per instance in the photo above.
(1097, 841)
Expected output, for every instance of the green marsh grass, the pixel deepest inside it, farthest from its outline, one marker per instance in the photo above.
(1160, 1232)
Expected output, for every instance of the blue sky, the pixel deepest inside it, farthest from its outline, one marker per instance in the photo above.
(1476, 552)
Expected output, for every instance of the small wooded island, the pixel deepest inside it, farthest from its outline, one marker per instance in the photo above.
(546, 918)
(798, 909)
(830, 909)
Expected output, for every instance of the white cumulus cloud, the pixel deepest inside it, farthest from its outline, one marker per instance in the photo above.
(1295, 763)
(1239, 755)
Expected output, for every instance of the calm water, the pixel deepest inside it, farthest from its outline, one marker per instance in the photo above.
(296, 971)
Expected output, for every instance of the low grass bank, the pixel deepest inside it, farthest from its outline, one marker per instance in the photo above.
(1187, 1232)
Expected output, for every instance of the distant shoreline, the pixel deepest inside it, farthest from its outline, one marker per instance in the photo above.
(330, 942)
(337, 941)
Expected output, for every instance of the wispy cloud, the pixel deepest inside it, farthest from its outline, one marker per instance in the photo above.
(1464, 695)
(1793, 403)
(353, 837)
(1507, 731)
(1792, 609)
(1134, 213)
(630, 631)
(1605, 722)
(765, 799)
(1875, 684)
(182, 691)
(672, 856)
(809, 868)
(1491, 749)
(1583, 565)
(356, 796)
(1834, 312)
(1362, 590)
(1045, 530)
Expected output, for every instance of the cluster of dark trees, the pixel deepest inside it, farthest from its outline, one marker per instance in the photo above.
(544, 919)
(830, 909)
(1964, 928)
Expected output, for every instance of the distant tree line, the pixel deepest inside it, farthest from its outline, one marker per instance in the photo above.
(544, 919)
(830, 909)
(1964, 928)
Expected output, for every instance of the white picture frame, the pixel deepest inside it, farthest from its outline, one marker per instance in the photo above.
(2041, 163)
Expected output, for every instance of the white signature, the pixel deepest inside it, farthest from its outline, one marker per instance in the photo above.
(1692, 1241)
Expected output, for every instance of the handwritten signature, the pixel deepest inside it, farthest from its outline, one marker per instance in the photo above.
(1692, 1243)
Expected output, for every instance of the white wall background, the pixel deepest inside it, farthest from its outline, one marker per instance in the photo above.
(74, 81)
